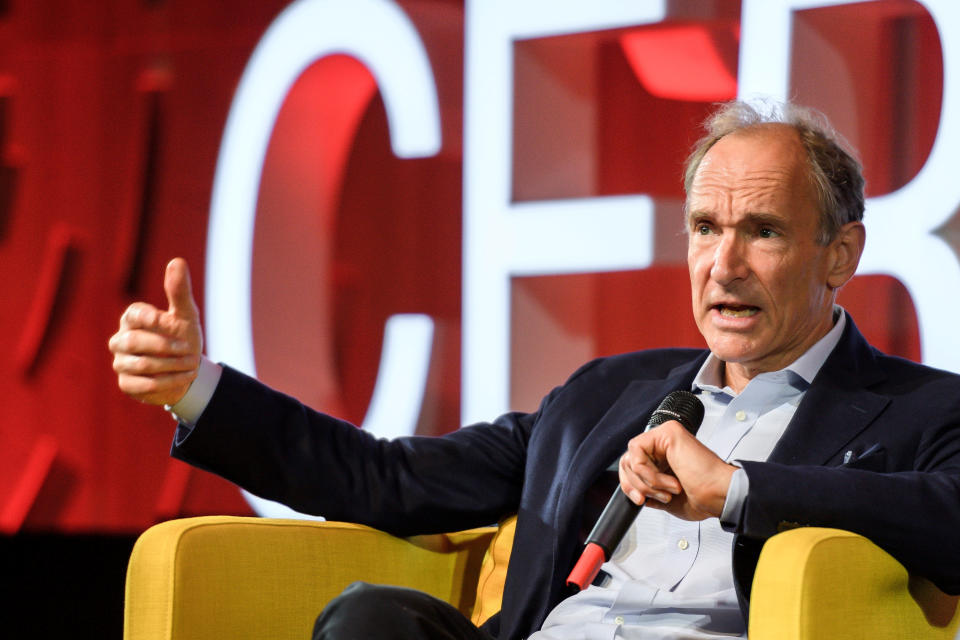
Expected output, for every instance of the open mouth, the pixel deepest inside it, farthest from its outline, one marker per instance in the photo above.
(736, 311)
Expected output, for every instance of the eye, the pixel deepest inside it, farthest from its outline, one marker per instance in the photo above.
(767, 232)
(702, 229)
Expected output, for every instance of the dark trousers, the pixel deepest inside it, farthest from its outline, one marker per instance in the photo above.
(378, 612)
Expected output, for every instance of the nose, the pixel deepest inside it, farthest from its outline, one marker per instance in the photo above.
(729, 261)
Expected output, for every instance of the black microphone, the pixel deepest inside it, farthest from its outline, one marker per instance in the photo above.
(620, 512)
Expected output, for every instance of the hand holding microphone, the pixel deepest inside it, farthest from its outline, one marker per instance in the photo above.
(667, 463)
(680, 461)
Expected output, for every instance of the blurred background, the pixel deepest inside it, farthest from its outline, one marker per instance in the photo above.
(112, 114)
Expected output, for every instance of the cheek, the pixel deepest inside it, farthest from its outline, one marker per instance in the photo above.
(694, 278)
(699, 265)
(797, 283)
(779, 276)
(698, 286)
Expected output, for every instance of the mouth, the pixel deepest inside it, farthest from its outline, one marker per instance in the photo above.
(736, 310)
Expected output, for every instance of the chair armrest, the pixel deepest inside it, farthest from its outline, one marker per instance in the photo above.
(814, 583)
(235, 577)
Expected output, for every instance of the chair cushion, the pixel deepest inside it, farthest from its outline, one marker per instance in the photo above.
(493, 572)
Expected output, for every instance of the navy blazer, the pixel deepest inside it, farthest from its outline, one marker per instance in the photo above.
(900, 486)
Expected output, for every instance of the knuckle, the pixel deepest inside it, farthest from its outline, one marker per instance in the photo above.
(129, 384)
(118, 342)
(141, 314)
(126, 342)
(148, 387)
(121, 342)
(139, 364)
(131, 314)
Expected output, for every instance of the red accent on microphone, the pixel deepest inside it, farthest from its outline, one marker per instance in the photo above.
(587, 567)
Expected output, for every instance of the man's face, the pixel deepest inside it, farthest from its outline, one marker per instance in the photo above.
(758, 276)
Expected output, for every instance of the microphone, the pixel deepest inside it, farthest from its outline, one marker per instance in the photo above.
(620, 512)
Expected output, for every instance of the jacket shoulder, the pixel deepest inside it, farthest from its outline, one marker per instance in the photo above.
(648, 364)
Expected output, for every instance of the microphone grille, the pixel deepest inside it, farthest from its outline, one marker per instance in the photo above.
(681, 406)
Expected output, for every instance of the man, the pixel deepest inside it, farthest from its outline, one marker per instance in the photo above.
(805, 424)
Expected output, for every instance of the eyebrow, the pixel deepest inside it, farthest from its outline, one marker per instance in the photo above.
(762, 217)
(754, 217)
(759, 216)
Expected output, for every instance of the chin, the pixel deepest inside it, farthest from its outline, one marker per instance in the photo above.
(736, 354)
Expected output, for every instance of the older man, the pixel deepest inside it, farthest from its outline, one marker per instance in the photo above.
(805, 424)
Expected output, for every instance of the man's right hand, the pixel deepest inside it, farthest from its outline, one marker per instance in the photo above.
(156, 353)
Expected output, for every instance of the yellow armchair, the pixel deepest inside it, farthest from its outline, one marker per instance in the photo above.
(235, 577)
(230, 577)
(813, 583)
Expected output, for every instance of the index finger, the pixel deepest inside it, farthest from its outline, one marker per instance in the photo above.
(140, 315)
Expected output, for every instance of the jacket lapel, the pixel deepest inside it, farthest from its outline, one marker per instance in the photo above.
(836, 407)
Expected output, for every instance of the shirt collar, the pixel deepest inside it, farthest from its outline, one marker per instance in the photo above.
(806, 366)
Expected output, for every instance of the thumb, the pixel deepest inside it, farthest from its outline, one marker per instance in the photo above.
(176, 284)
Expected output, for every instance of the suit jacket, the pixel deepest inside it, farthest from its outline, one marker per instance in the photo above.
(900, 486)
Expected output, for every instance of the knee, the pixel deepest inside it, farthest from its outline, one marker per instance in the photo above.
(357, 606)
(383, 612)
(359, 595)
(357, 598)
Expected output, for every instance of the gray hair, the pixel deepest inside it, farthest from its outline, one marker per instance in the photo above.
(835, 173)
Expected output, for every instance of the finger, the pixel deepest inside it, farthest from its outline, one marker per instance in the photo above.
(140, 315)
(176, 284)
(126, 364)
(647, 483)
(642, 471)
(149, 343)
(166, 389)
(652, 469)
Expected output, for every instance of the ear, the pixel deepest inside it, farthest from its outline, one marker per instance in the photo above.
(845, 251)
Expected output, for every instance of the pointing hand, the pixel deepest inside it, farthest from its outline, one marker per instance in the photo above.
(156, 353)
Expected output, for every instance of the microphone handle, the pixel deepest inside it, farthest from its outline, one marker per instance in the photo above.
(613, 523)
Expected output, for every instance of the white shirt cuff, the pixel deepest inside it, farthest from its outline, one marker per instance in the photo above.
(191, 406)
(736, 496)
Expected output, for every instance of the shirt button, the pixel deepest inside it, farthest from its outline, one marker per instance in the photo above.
(619, 620)
(741, 415)
(682, 544)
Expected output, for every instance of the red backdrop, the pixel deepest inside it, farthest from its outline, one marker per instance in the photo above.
(111, 115)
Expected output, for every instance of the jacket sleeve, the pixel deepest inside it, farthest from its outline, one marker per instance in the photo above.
(275, 447)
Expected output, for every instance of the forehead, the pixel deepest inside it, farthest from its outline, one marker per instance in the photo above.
(764, 167)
